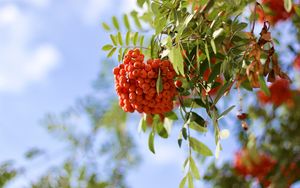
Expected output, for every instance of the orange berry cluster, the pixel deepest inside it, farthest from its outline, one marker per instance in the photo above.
(135, 83)
(245, 165)
(275, 11)
(280, 93)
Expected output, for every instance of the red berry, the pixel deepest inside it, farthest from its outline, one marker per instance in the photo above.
(116, 70)
(242, 116)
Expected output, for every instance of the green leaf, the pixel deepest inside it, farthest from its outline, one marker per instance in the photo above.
(179, 140)
(183, 182)
(194, 117)
(215, 72)
(197, 127)
(134, 15)
(184, 133)
(190, 181)
(141, 3)
(171, 115)
(113, 39)
(120, 54)
(218, 33)
(263, 86)
(127, 39)
(200, 147)
(142, 124)
(225, 112)
(135, 38)
(126, 22)
(213, 46)
(105, 26)
(111, 53)
(115, 23)
(221, 92)
(297, 10)
(159, 84)
(142, 41)
(218, 149)
(33, 153)
(194, 168)
(176, 59)
(107, 47)
(288, 5)
(120, 40)
(207, 53)
(151, 141)
(185, 162)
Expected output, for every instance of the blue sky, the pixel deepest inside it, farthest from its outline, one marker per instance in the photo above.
(50, 52)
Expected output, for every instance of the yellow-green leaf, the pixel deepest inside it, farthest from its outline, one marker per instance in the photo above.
(159, 84)
(176, 59)
(105, 26)
(115, 23)
(288, 5)
(194, 168)
(126, 22)
(120, 40)
(113, 39)
(151, 141)
(200, 147)
(183, 182)
(111, 53)
(107, 47)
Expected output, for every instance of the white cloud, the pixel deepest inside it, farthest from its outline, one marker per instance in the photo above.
(9, 14)
(22, 61)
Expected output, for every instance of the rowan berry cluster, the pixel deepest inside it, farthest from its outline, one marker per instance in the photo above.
(135, 83)
(280, 93)
(274, 11)
(258, 167)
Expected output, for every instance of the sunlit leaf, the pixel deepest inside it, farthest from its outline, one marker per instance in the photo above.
(288, 5)
(151, 141)
(135, 38)
(183, 182)
(127, 39)
(115, 23)
(105, 26)
(190, 181)
(176, 59)
(194, 168)
(120, 40)
(225, 112)
(111, 53)
(126, 22)
(171, 115)
(107, 47)
(113, 39)
(200, 147)
(159, 84)
(213, 46)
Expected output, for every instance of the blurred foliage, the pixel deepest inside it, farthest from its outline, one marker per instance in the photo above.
(7, 173)
(97, 149)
